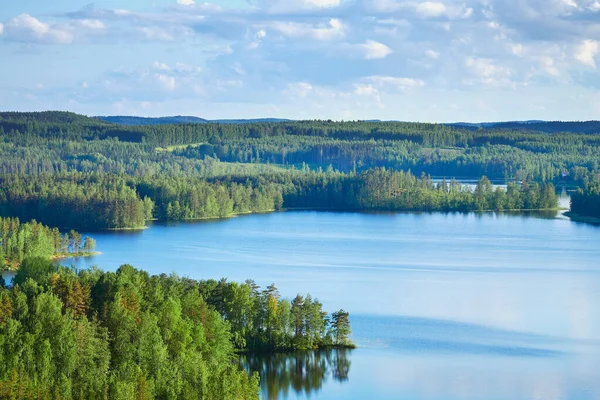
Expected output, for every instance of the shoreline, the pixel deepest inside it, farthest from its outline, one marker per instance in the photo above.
(292, 351)
(582, 218)
(76, 255)
(7, 267)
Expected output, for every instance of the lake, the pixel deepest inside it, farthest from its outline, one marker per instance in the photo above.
(443, 306)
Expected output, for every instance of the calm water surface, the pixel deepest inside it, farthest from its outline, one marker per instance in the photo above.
(443, 306)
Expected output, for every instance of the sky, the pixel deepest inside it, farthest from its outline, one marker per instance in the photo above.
(432, 61)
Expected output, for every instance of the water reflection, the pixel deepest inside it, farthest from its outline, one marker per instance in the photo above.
(304, 373)
(8, 276)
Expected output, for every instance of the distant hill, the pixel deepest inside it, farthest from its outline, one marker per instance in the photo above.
(48, 117)
(127, 120)
(248, 121)
(541, 126)
(15, 121)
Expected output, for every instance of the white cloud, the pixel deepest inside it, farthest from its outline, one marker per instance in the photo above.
(257, 39)
(394, 82)
(549, 66)
(362, 89)
(165, 34)
(586, 52)
(186, 2)
(432, 54)
(299, 89)
(517, 49)
(92, 24)
(238, 69)
(155, 33)
(178, 69)
(431, 9)
(322, 3)
(570, 3)
(423, 9)
(375, 50)
(486, 72)
(334, 29)
(287, 6)
(25, 28)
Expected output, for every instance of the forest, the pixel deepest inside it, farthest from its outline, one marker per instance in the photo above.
(90, 334)
(586, 201)
(74, 172)
(511, 152)
(98, 201)
(19, 241)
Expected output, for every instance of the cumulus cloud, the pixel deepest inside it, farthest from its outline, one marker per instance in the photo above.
(167, 82)
(293, 46)
(485, 71)
(586, 52)
(25, 28)
(257, 39)
(362, 89)
(423, 9)
(430, 9)
(334, 29)
(375, 50)
(155, 81)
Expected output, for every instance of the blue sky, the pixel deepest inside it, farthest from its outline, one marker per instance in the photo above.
(435, 60)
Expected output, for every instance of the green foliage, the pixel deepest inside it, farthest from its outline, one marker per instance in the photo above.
(586, 201)
(32, 239)
(261, 320)
(340, 327)
(97, 335)
(381, 189)
(75, 172)
(38, 269)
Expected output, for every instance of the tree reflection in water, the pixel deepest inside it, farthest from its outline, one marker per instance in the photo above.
(303, 372)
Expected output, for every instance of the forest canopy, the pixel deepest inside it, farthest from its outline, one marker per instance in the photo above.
(90, 334)
(19, 241)
(76, 172)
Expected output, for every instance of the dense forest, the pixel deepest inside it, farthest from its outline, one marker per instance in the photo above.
(78, 142)
(95, 201)
(75, 172)
(32, 239)
(67, 334)
(586, 201)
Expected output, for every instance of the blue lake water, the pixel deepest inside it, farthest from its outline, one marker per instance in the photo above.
(443, 306)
